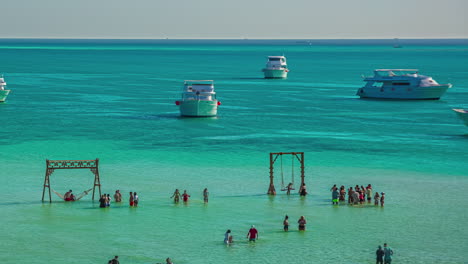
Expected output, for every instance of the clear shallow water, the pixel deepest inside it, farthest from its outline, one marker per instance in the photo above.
(115, 100)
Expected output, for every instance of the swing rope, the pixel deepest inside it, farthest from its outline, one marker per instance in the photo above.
(282, 176)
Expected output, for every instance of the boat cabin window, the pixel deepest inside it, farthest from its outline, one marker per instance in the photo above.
(401, 83)
(274, 59)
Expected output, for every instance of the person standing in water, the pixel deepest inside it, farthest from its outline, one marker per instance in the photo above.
(117, 196)
(388, 253)
(205, 195)
(135, 199)
(369, 194)
(185, 196)
(303, 190)
(286, 223)
(108, 200)
(335, 196)
(342, 193)
(227, 237)
(102, 201)
(176, 196)
(382, 199)
(376, 198)
(302, 222)
(252, 235)
(380, 255)
(130, 199)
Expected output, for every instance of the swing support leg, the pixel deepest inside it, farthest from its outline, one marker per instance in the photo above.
(271, 188)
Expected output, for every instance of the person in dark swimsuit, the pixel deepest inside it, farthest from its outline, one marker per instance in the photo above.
(286, 223)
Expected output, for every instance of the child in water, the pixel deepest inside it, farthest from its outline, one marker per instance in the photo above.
(376, 198)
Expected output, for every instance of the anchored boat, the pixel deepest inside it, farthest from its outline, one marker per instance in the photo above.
(3, 93)
(401, 84)
(198, 99)
(276, 68)
(462, 114)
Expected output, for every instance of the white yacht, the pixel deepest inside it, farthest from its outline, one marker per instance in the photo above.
(198, 99)
(462, 114)
(3, 93)
(276, 68)
(401, 84)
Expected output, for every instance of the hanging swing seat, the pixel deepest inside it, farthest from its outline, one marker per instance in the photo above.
(283, 187)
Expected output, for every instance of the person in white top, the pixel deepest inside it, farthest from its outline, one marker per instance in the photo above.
(135, 199)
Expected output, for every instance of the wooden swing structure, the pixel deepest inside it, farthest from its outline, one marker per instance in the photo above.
(273, 157)
(52, 165)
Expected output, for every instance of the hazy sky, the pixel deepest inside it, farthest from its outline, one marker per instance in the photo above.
(304, 19)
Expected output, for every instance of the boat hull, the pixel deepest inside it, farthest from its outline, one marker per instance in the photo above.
(3, 95)
(462, 114)
(404, 93)
(198, 108)
(275, 73)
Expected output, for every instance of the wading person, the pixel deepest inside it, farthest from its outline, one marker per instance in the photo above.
(205, 195)
(376, 198)
(130, 199)
(380, 255)
(176, 196)
(135, 199)
(227, 237)
(185, 196)
(388, 253)
(252, 235)
(302, 223)
(117, 196)
(369, 194)
(342, 194)
(286, 223)
(382, 199)
(335, 196)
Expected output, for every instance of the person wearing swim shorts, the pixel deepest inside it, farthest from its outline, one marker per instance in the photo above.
(335, 196)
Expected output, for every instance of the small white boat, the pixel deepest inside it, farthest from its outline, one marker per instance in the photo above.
(462, 114)
(198, 99)
(3, 93)
(276, 68)
(401, 84)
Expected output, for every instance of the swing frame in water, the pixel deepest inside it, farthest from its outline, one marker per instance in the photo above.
(273, 158)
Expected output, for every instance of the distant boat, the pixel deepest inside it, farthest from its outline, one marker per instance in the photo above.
(396, 43)
(276, 68)
(401, 84)
(3, 93)
(462, 114)
(198, 99)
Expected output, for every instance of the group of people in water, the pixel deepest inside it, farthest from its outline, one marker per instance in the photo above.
(252, 235)
(384, 256)
(185, 196)
(358, 195)
(105, 199)
(115, 260)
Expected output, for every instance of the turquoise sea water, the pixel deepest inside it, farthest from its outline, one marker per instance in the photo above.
(114, 100)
